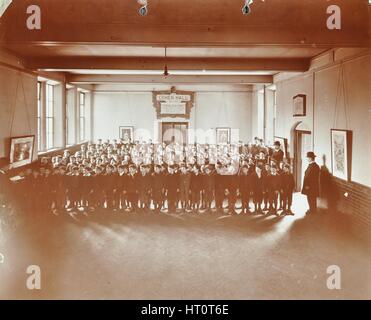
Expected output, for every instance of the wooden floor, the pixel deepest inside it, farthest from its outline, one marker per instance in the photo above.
(109, 255)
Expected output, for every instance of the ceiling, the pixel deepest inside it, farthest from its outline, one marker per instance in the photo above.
(100, 41)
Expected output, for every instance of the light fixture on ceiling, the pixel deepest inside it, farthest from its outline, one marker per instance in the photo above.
(143, 10)
(166, 71)
(246, 8)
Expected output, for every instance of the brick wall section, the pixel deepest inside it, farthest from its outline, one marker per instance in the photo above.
(357, 204)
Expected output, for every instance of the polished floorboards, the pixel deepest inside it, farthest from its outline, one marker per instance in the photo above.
(114, 255)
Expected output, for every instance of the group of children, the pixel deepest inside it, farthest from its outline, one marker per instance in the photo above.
(99, 177)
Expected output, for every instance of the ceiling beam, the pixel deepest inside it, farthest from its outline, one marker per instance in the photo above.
(154, 63)
(118, 79)
(205, 23)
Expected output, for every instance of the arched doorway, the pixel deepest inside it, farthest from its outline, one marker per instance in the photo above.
(301, 136)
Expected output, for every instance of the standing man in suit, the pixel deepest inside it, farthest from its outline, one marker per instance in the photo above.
(311, 183)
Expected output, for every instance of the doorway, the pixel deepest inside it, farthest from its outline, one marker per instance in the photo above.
(303, 144)
(176, 132)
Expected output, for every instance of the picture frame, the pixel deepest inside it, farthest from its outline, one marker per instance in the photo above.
(223, 135)
(127, 133)
(341, 153)
(284, 145)
(21, 151)
(300, 105)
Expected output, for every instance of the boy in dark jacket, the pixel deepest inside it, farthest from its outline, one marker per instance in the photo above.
(132, 188)
(245, 188)
(273, 186)
(196, 187)
(98, 193)
(158, 186)
(257, 186)
(209, 187)
(288, 187)
(172, 186)
(121, 196)
(184, 187)
(144, 186)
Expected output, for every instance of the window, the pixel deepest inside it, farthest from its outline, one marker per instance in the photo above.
(49, 116)
(82, 115)
(39, 113)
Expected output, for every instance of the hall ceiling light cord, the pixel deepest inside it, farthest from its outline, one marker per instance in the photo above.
(166, 71)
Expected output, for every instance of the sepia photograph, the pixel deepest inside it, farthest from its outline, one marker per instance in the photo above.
(21, 151)
(127, 134)
(185, 158)
(223, 135)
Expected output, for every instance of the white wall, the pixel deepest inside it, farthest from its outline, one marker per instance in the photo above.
(321, 88)
(212, 110)
(18, 101)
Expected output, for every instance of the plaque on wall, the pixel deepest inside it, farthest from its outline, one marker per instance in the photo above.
(300, 105)
(173, 103)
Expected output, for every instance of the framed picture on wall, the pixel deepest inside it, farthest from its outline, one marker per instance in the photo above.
(223, 135)
(21, 151)
(300, 105)
(341, 153)
(284, 145)
(127, 133)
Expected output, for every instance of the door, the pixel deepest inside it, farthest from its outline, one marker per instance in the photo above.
(303, 144)
(176, 132)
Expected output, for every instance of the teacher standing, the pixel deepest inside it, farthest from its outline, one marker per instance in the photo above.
(311, 183)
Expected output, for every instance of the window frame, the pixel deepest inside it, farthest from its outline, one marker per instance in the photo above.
(49, 117)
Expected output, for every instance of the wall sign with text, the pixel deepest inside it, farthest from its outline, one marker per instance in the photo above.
(173, 103)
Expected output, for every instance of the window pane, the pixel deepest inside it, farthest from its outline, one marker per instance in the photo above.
(50, 93)
(39, 133)
(39, 91)
(49, 108)
(82, 129)
(82, 110)
(82, 98)
(49, 133)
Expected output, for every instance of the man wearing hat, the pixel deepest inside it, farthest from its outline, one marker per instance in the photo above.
(311, 182)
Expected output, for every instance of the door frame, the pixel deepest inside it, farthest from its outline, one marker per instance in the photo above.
(173, 123)
(298, 161)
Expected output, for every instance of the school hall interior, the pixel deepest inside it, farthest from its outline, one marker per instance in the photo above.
(197, 73)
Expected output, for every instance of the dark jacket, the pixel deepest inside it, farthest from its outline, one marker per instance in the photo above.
(208, 182)
(278, 155)
(274, 182)
(158, 182)
(245, 183)
(311, 180)
(184, 181)
(132, 184)
(257, 184)
(172, 182)
(196, 182)
(288, 182)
